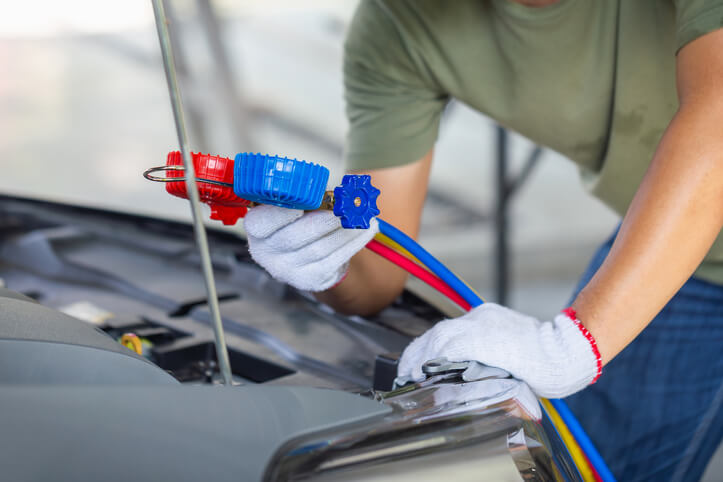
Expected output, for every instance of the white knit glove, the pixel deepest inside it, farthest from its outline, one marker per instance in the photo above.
(489, 392)
(308, 250)
(556, 358)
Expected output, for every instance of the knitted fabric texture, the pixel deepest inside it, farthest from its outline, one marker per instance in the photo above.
(553, 357)
(308, 250)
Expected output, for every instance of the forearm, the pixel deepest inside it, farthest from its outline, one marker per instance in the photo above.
(670, 226)
(371, 284)
(673, 220)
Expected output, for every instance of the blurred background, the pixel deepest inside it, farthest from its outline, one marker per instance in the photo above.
(84, 111)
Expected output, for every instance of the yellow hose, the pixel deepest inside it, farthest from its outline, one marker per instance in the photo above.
(578, 457)
(390, 243)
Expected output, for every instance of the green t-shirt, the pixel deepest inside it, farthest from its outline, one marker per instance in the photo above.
(591, 79)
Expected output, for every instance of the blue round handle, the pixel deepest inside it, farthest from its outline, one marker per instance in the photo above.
(355, 201)
(280, 181)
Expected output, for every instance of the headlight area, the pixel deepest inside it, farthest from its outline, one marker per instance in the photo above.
(439, 429)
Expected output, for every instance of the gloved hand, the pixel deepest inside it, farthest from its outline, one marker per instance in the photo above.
(308, 250)
(556, 358)
(489, 392)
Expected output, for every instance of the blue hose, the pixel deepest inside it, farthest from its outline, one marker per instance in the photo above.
(431, 262)
(471, 297)
(583, 440)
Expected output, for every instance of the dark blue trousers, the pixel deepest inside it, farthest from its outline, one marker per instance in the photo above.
(656, 413)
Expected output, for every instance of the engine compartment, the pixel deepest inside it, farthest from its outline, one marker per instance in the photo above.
(132, 274)
(75, 280)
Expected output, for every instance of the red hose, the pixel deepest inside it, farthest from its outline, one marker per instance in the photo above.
(416, 270)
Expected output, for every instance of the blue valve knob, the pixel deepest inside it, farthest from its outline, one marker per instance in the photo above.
(355, 201)
(279, 181)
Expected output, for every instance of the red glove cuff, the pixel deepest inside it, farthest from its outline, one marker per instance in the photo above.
(572, 314)
(346, 273)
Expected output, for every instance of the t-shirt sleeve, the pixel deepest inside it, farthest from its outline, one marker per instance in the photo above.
(392, 101)
(695, 18)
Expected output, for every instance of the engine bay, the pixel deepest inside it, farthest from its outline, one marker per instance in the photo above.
(132, 274)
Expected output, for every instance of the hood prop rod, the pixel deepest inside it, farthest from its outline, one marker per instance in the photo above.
(198, 227)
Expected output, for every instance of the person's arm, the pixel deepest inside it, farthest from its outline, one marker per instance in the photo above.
(676, 214)
(312, 252)
(671, 224)
(394, 105)
(372, 282)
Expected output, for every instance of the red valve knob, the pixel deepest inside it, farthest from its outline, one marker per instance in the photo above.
(226, 206)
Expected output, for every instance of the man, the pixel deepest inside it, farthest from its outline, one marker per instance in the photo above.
(632, 91)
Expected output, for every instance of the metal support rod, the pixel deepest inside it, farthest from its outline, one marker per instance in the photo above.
(198, 227)
(506, 188)
(183, 72)
(532, 160)
(501, 214)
